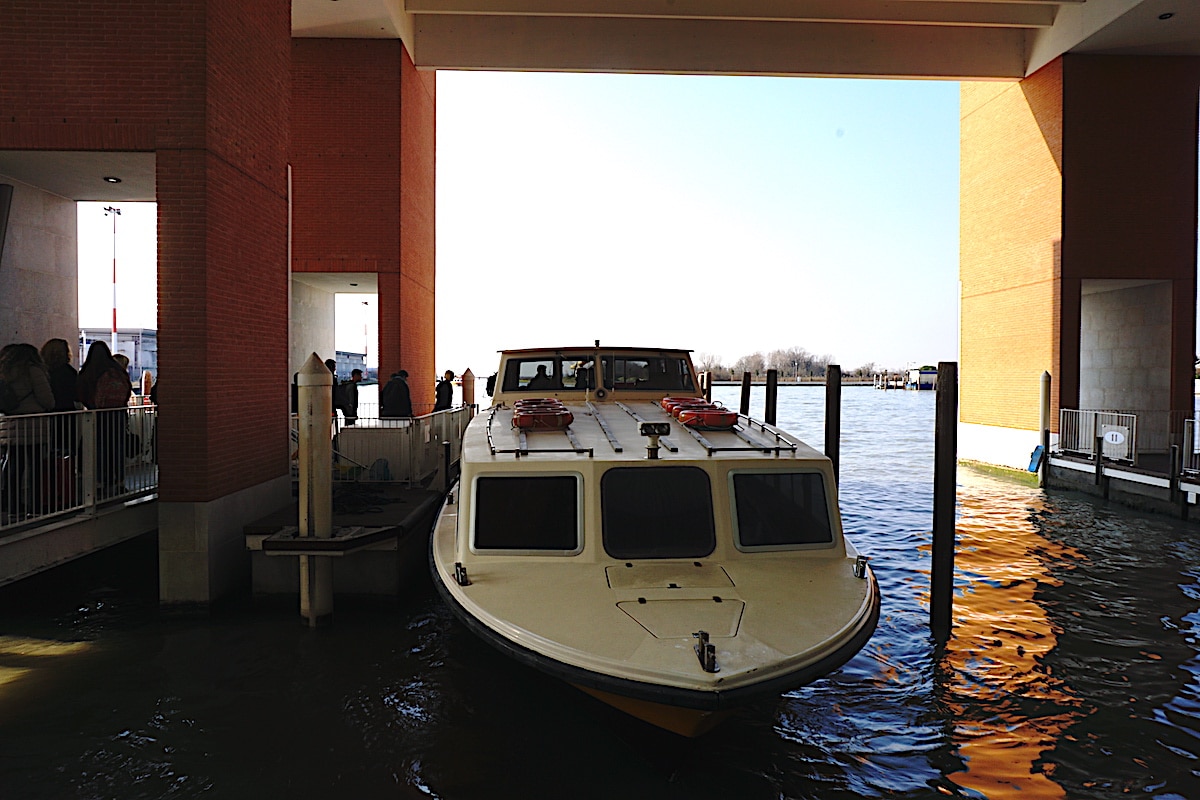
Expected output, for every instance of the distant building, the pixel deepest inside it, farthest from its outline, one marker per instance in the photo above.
(139, 345)
(347, 361)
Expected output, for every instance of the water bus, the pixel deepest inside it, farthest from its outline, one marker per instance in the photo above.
(671, 557)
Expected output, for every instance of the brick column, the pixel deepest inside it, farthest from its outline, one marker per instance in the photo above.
(203, 85)
(362, 153)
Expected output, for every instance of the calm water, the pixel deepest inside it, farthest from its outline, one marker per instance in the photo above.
(1072, 672)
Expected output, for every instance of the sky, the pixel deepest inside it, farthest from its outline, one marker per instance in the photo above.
(723, 215)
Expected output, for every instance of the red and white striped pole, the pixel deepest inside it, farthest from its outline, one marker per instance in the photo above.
(114, 212)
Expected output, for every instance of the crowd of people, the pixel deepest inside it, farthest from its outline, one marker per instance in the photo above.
(36, 381)
(395, 396)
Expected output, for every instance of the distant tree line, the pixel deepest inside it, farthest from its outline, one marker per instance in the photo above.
(792, 364)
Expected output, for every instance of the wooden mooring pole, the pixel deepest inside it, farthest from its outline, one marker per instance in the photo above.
(744, 408)
(945, 465)
(772, 398)
(833, 417)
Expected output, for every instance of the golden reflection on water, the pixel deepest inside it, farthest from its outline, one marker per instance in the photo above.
(19, 656)
(1006, 707)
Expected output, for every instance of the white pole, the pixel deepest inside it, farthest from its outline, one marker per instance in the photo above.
(114, 213)
(316, 487)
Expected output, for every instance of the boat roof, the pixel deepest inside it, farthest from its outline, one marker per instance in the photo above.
(589, 348)
(609, 430)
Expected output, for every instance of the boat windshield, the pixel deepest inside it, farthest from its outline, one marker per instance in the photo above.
(647, 372)
(781, 510)
(657, 512)
(577, 371)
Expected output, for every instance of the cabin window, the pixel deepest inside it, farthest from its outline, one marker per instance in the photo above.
(647, 372)
(657, 512)
(781, 510)
(527, 512)
(578, 372)
(532, 374)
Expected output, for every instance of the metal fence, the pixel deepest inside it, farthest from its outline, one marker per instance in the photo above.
(1190, 450)
(406, 450)
(1078, 429)
(74, 461)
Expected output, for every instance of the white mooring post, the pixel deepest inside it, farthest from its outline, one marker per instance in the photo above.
(315, 383)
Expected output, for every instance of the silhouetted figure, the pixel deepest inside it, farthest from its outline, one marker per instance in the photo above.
(349, 396)
(541, 380)
(443, 393)
(24, 389)
(64, 379)
(104, 387)
(395, 399)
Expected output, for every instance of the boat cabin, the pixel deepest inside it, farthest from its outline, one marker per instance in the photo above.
(571, 373)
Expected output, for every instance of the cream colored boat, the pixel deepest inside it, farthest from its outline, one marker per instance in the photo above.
(673, 570)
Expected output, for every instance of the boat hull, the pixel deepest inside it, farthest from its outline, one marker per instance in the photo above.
(687, 711)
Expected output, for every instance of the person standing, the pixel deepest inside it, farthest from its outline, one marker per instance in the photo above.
(395, 400)
(349, 396)
(64, 383)
(26, 390)
(64, 379)
(443, 394)
(104, 387)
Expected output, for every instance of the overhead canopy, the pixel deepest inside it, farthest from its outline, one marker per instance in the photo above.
(954, 39)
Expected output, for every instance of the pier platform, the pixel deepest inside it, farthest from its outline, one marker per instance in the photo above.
(1147, 486)
(379, 543)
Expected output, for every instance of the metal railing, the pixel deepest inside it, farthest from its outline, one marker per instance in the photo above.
(1190, 447)
(62, 463)
(406, 450)
(74, 461)
(1078, 429)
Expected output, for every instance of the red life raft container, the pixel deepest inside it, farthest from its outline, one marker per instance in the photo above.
(537, 403)
(673, 404)
(545, 413)
(712, 417)
(546, 419)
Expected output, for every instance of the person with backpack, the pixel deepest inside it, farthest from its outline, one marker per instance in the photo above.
(105, 387)
(24, 389)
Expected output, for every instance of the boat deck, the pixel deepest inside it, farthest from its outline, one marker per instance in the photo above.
(610, 430)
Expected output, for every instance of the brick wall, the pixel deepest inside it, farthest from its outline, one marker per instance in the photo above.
(1085, 170)
(205, 86)
(362, 155)
(1010, 233)
(1129, 190)
(417, 225)
(345, 155)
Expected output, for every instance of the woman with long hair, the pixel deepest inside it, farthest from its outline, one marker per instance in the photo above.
(64, 379)
(25, 390)
(104, 387)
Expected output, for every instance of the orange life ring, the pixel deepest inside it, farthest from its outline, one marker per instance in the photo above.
(672, 404)
(537, 402)
(715, 417)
